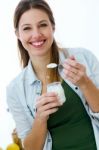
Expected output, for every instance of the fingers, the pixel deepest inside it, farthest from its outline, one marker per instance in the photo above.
(72, 62)
(72, 65)
(45, 114)
(70, 69)
(46, 98)
(47, 104)
(49, 100)
(73, 70)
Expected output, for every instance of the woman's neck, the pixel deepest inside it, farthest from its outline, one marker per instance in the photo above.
(39, 66)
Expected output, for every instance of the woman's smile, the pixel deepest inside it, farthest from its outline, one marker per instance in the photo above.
(38, 44)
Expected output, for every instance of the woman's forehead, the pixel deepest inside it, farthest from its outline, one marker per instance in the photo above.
(34, 16)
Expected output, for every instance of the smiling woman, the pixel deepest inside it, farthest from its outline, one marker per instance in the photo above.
(50, 119)
(27, 99)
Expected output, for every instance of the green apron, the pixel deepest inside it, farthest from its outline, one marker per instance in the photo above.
(70, 127)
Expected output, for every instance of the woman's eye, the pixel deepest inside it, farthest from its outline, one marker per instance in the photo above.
(27, 28)
(43, 25)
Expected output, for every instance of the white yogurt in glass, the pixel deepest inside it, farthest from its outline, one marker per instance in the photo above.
(57, 88)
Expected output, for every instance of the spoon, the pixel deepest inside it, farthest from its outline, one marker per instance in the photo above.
(54, 65)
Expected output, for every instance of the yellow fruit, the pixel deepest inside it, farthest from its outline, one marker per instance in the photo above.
(0, 148)
(13, 146)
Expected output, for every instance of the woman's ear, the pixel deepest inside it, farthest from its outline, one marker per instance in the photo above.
(17, 34)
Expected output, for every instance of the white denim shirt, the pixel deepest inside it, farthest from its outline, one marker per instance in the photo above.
(23, 91)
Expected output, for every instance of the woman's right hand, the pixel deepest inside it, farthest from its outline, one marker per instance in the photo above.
(47, 104)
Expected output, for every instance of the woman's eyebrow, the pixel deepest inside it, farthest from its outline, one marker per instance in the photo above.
(43, 21)
(27, 24)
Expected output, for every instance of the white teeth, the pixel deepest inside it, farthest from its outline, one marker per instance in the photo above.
(37, 43)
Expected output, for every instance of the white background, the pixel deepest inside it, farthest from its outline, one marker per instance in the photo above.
(77, 25)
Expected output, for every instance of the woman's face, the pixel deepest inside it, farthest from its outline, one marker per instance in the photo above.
(35, 32)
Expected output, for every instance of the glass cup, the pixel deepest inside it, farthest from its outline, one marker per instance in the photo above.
(57, 88)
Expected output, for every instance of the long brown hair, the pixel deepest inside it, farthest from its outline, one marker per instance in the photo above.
(23, 6)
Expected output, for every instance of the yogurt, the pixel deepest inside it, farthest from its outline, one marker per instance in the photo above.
(52, 65)
(57, 88)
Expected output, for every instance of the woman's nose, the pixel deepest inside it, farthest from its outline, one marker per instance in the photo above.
(36, 33)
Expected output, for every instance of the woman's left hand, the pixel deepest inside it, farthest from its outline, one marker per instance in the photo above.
(74, 71)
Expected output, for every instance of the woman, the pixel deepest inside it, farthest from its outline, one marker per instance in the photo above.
(42, 122)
